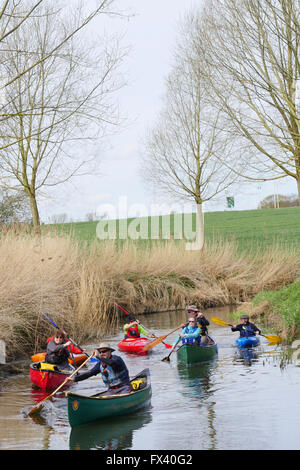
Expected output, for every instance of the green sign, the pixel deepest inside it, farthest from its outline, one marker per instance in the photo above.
(230, 201)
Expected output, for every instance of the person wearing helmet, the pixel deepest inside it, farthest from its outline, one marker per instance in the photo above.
(246, 328)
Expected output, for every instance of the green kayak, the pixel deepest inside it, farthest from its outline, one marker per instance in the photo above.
(83, 409)
(193, 353)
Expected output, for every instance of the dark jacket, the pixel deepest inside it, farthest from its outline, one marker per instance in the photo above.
(249, 329)
(113, 371)
(56, 353)
(203, 324)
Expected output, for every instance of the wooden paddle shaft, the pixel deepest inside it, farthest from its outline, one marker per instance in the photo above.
(61, 385)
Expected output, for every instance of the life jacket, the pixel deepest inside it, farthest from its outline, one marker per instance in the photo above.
(133, 332)
(57, 357)
(247, 331)
(74, 349)
(188, 330)
(110, 378)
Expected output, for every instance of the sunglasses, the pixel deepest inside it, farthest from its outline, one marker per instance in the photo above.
(103, 351)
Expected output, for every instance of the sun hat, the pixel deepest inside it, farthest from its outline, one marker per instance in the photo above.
(105, 346)
(193, 308)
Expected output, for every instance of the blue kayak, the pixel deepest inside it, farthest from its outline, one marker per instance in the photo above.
(247, 341)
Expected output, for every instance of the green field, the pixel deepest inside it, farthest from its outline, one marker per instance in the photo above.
(253, 229)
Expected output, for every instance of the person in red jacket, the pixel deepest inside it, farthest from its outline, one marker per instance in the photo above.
(58, 351)
(74, 348)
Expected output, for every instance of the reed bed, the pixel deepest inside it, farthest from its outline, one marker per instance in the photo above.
(78, 285)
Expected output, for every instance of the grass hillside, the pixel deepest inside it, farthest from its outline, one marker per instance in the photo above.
(251, 230)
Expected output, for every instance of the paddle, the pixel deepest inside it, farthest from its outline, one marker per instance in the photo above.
(167, 358)
(73, 342)
(39, 406)
(159, 340)
(119, 306)
(272, 338)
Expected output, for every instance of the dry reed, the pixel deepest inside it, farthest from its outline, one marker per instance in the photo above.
(78, 286)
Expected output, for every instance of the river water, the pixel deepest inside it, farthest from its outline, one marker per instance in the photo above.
(236, 401)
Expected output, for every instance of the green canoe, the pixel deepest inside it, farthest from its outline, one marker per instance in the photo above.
(193, 353)
(83, 409)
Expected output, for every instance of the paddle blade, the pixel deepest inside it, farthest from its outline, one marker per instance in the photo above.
(166, 359)
(36, 409)
(168, 346)
(159, 340)
(218, 321)
(153, 343)
(273, 339)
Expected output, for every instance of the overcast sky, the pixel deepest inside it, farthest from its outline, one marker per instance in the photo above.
(151, 34)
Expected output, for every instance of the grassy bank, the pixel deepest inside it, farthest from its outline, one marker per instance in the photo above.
(281, 309)
(253, 230)
(78, 285)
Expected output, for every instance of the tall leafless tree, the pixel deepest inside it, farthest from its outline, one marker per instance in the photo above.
(185, 149)
(252, 52)
(65, 99)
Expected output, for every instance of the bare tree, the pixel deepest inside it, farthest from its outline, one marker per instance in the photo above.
(185, 149)
(65, 99)
(252, 51)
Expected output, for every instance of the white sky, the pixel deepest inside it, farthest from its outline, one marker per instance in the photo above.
(151, 33)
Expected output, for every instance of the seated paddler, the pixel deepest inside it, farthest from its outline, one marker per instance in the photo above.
(201, 322)
(246, 328)
(58, 351)
(112, 368)
(133, 329)
(190, 334)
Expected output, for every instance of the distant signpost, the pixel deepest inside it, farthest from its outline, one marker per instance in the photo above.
(230, 202)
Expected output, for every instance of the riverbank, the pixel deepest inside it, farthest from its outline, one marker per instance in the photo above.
(279, 309)
(79, 285)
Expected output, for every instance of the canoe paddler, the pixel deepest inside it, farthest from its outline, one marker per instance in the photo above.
(58, 351)
(112, 368)
(246, 328)
(189, 334)
(201, 321)
(133, 329)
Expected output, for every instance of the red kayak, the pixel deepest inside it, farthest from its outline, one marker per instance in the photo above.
(134, 345)
(47, 379)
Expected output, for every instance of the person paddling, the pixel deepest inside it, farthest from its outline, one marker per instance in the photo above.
(190, 333)
(134, 330)
(58, 352)
(112, 368)
(246, 328)
(201, 321)
(74, 349)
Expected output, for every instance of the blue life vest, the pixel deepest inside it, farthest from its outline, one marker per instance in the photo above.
(247, 331)
(110, 378)
(190, 330)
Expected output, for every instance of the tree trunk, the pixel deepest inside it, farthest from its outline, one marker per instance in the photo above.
(198, 244)
(298, 186)
(34, 213)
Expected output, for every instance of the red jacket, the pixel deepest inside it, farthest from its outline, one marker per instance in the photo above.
(74, 349)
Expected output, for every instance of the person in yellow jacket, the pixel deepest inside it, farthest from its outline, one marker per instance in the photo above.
(134, 330)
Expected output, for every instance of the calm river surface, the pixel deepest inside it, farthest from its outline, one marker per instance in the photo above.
(232, 402)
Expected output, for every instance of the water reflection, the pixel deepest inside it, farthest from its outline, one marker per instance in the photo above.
(196, 379)
(112, 434)
(248, 357)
